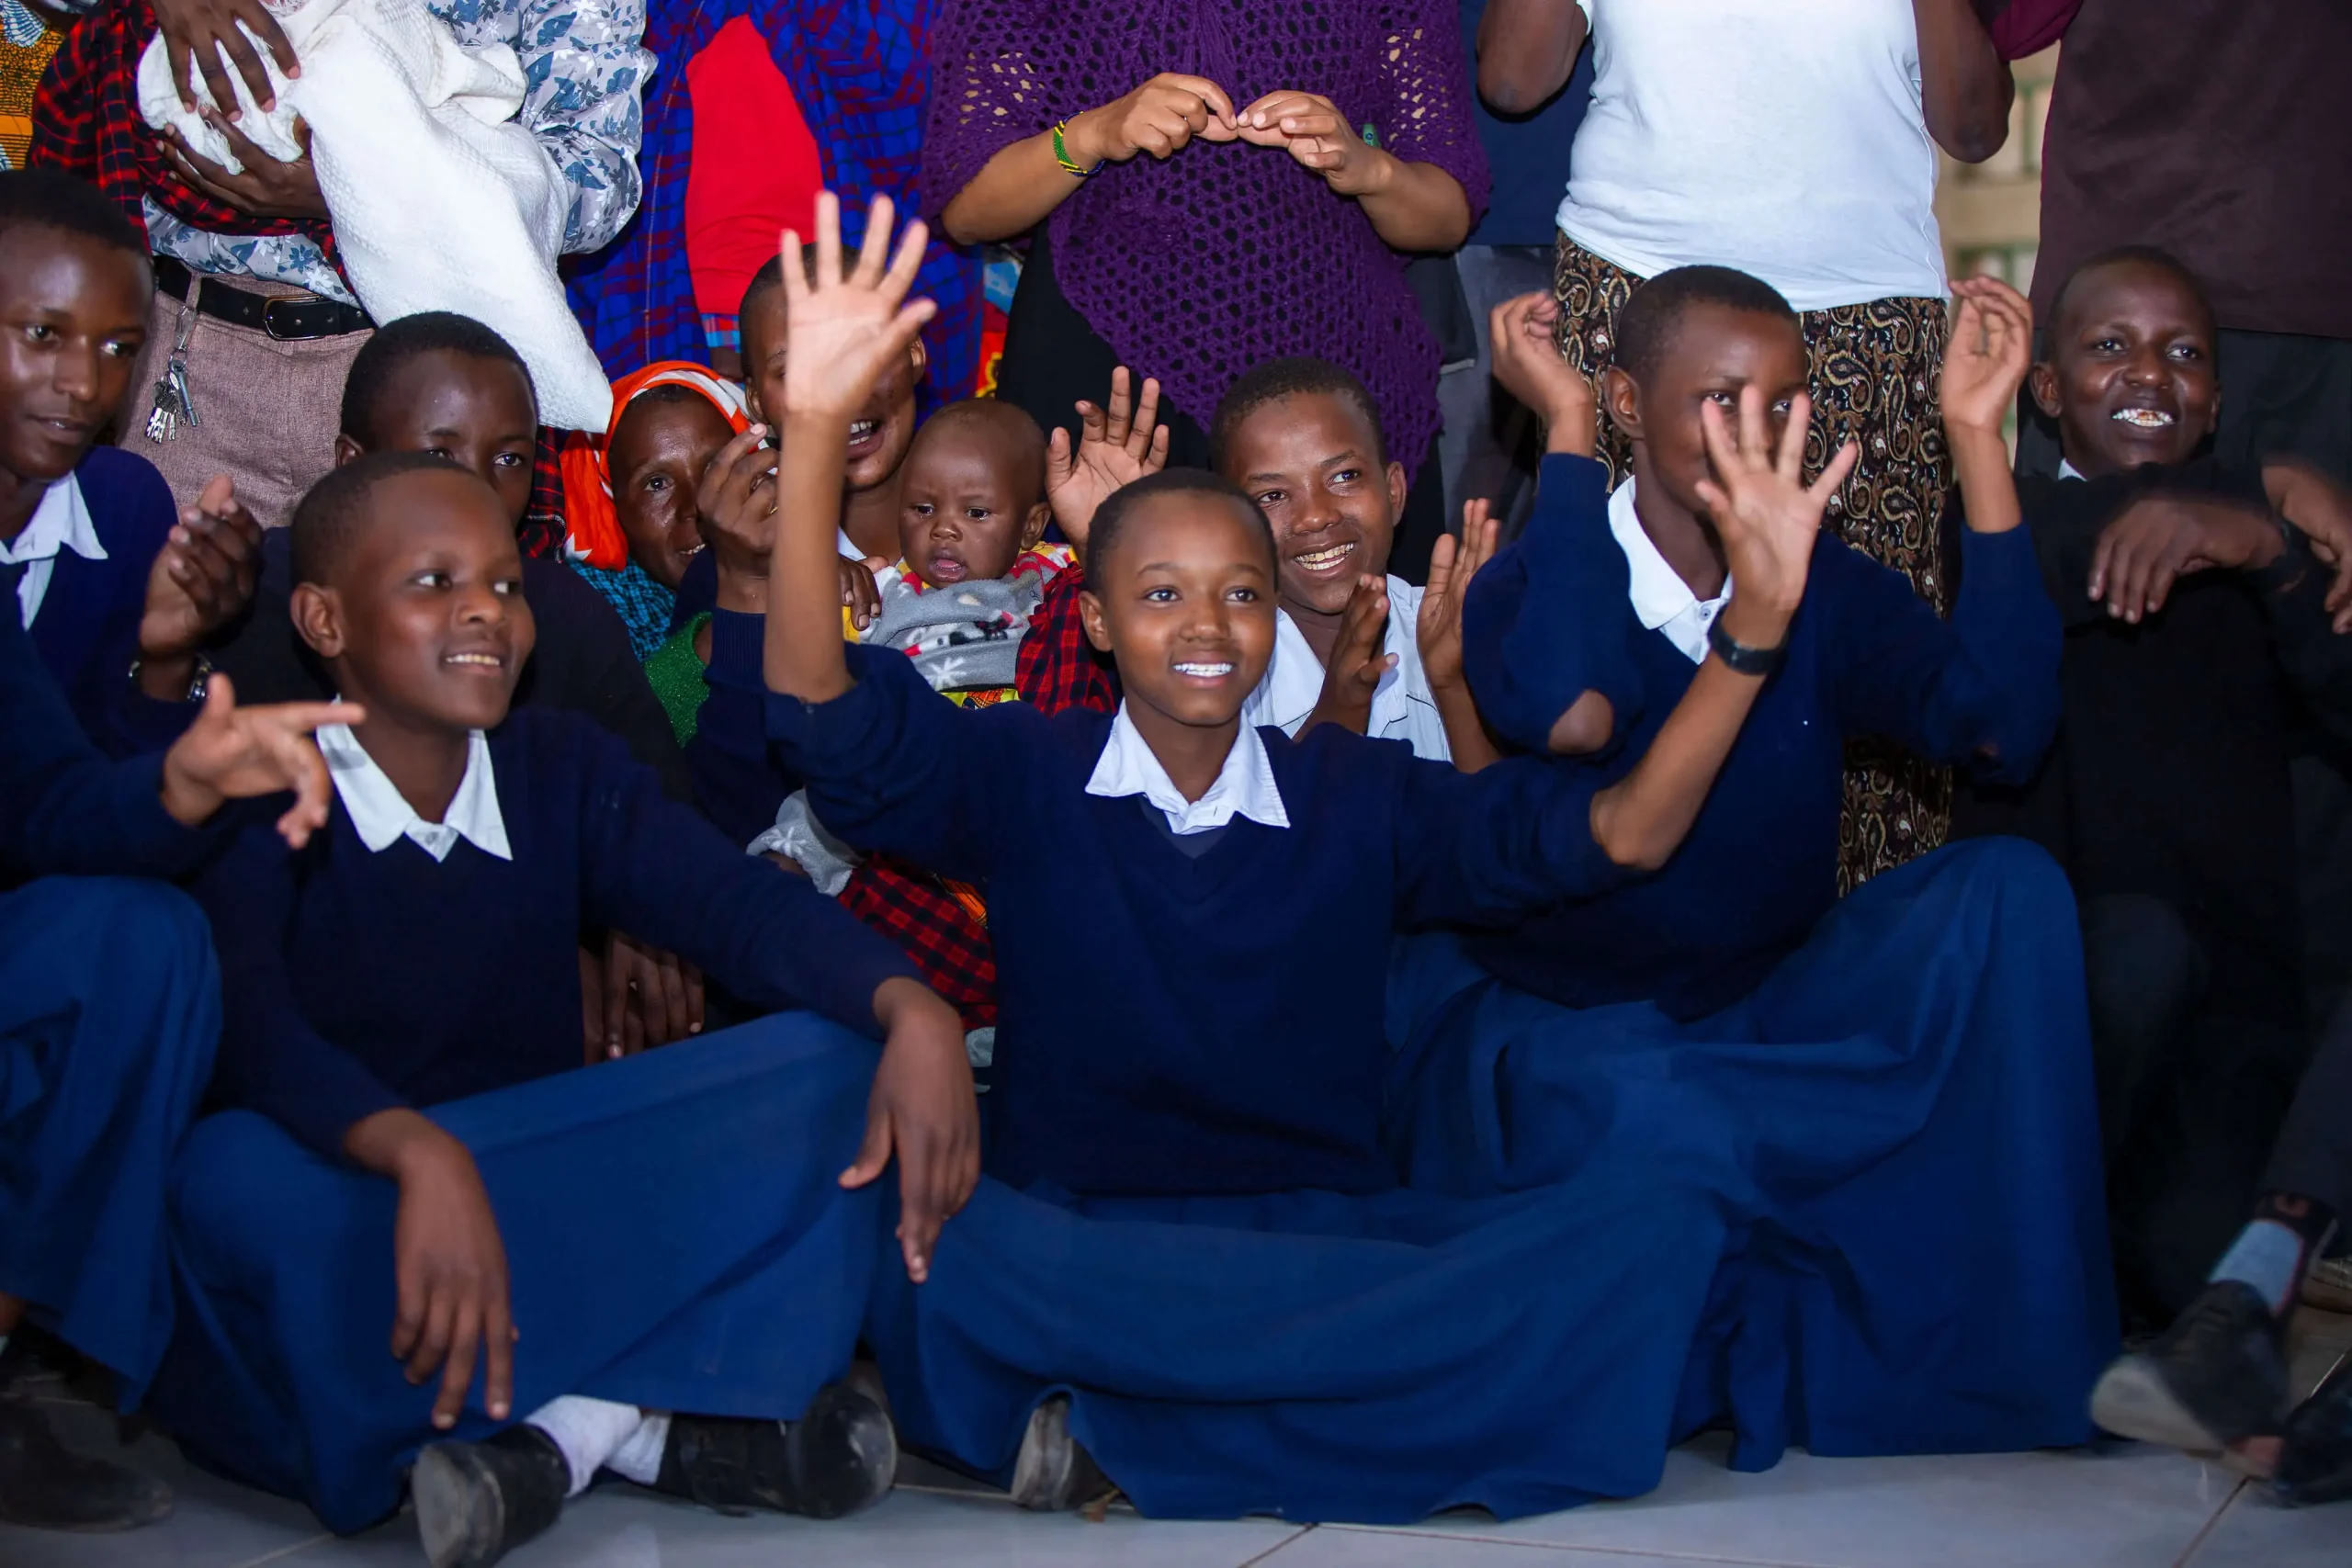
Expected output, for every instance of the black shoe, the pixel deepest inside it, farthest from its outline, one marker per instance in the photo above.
(46, 1487)
(839, 1456)
(476, 1502)
(1055, 1474)
(2315, 1463)
(2216, 1376)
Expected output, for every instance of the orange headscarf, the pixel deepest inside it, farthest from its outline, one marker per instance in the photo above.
(592, 528)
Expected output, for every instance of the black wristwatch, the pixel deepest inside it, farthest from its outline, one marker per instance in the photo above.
(1740, 659)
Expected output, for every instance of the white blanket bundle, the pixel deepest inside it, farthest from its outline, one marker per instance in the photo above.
(440, 201)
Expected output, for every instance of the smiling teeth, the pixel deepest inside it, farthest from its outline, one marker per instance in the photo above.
(1206, 672)
(474, 659)
(1326, 557)
(2146, 419)
(862, 428)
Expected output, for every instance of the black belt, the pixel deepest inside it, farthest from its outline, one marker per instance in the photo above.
(290, 318)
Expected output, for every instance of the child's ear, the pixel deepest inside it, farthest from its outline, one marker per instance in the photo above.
(1089, 615)
(2041, 380)
(318, 618)
(918, 357)
(346, 451)
(1398, 483)
(1033, 527)
(2214, 423)
(1622, 399)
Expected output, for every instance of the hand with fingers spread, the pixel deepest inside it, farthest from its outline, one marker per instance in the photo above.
(1116, 446)
(450, 1263)
(1437, 631)
(266, 186)
(1158, 117)
(1765, 513)
(1310, 128)
(1987, 354)
(1353, 676)
(651, 998)
(924, 1110)
(202, 579)
(194, 33)
(854, 321)
(234, 754)
(2159, 539)
(1530, 366)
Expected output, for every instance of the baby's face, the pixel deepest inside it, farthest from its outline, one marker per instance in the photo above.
(964, 510)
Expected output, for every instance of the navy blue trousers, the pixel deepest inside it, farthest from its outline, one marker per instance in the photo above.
(676, 1238)
(1900, 1126)
(109, 1010)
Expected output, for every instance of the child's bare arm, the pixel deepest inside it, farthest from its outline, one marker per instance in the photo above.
(846, 329)
(1985, 364)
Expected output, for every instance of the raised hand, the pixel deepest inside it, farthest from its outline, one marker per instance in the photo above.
(1158, 117)
(1357, 663)
(1311, 128)
(1987, 354)
(1116, 446)
(852, 324)
(1767, 517)
(923, 1109)
(1531, 367)
(234, 754)
(196, 31)
(202, 579)
(1437, 630)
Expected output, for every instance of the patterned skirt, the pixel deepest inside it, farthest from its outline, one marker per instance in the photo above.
(1874, 371)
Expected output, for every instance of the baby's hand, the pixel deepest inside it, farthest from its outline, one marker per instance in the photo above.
(859, 596)
(1765, 515)
(852, 324)
(1991, 345)
(1532, 369)
(1357, 663)
(1113, 451)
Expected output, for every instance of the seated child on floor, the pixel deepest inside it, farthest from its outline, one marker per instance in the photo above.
(1352, 644)
(666, 1232)
(628, 495)
(122, 594)
(1182, 1062)
(2194, 617)
(1834, 1069)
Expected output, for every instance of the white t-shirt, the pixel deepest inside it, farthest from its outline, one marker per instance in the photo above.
(1403, 707)
(1784, 138)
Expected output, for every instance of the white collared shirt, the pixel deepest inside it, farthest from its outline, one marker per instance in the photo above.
(62, 522)
(1402, 708)
(383, 814)
(2067, 470)
(1244, 786)
(1662, 601)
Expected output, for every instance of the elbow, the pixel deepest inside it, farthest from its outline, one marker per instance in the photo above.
(1510, 85)
(1585, 727)
(1973, 143)
(1631, 846)
(960, 220)
(1980, 127)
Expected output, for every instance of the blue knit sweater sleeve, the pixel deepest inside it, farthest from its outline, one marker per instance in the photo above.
(658, 871)
(738, 778)
(1487, 848)
(272, 1061)
(1545, 621)
(893, 765)
(1981, 687)
(64, 809)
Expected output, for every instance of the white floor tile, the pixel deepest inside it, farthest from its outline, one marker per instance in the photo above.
(2258, 1533)
(2130, 1507)
(1328, 1547)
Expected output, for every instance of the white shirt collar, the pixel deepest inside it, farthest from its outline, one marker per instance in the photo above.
(1662, 601)
(2067, 470)
(1294, 680)
(1244, 786)
(383, 814)
(62, 522)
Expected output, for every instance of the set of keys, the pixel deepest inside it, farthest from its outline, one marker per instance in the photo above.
(173, 402)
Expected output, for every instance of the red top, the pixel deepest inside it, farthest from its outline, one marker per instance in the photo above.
(754, 167)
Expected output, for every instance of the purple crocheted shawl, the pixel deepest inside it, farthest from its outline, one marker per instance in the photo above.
(1227, 254)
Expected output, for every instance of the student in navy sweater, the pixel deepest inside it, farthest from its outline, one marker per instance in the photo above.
(1892, 1095)
(108, 1010)
(409, 1145)
(1191, 1225)
(120, 594)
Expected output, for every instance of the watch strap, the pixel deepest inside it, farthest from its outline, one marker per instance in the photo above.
(1738, 657)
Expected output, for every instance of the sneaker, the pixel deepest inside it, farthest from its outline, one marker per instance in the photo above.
(1055, 1474)
(842, 1455)
(2329, 1285)
(2218, 1375)
(45, 1486)
(476, 1502)
(2315, 1464)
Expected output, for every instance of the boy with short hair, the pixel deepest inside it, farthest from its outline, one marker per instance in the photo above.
(670, 1224)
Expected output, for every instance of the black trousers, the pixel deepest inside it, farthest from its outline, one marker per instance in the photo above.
(2314, 1155)
(1053, 357)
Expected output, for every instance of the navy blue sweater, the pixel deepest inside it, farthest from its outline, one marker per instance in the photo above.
(1550, 617)
(87, 630)
(64, 809)
(1170, 1023)
(352, 983)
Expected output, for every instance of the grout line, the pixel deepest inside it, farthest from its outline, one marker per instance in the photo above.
(2205, 1532)
(1291, 1539)
(285, 1552)
(1644, 1551)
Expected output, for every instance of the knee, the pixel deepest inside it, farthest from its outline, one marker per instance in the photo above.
(121, 919)
(2019, 872)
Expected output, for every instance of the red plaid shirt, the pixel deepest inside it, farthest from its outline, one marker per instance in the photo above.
(945, 940)
(1059, 668)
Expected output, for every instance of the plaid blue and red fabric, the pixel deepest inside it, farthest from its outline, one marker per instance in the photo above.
(946, 942)
(859, 72)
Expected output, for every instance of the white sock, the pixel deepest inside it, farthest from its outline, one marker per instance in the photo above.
(2267, 1255)
(639, 1458)
(589, 1431)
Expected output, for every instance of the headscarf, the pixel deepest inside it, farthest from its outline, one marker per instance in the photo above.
(592, 525)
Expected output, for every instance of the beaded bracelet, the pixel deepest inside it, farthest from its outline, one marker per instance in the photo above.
(1061, 153)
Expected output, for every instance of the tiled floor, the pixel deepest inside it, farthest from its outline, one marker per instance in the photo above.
(2123, 1506)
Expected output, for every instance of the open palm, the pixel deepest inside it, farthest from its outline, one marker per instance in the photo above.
(848, 325)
